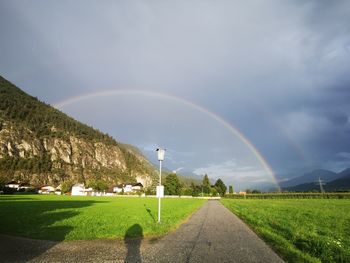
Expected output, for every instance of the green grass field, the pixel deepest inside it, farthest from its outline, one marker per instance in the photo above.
(313, 230)
(82, 218)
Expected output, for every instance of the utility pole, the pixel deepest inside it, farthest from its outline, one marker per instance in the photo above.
(321, 183)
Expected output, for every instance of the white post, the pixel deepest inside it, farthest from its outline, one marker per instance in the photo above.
(160, 190)
(160, 183)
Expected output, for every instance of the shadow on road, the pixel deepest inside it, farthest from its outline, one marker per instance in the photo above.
(132, 239)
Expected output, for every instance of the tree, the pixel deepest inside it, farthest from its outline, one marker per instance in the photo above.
(206, 185)
(98, 185)
(101, 185)
(186, 191)
(220, 187)
(66, 186)
(230, 189)
(213, 191)
(196, 189)
(2, 181)
(150, 191)
(172, 185)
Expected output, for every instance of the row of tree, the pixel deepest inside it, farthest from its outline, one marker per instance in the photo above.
(173, 186)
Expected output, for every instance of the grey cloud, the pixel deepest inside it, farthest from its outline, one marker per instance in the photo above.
(278, 71)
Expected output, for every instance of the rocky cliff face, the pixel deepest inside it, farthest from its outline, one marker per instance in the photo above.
(36, 147)
(73, 159)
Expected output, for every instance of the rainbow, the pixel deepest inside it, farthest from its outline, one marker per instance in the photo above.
(190, 104)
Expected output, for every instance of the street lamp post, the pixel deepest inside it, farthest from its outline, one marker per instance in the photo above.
(160, 189)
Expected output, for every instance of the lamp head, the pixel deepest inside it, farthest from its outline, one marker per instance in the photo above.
(161, 153)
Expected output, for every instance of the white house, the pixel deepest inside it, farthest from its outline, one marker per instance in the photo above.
(46, 189)
(137, 187)
(118, 189)
(128, 188)
(18, 185)
(58, 190)
(79, 189)
(13, 184)
(24, 186)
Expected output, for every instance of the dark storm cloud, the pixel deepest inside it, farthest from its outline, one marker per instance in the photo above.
(276, 70)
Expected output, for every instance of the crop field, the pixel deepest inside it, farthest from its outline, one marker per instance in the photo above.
(84, 218)
(313, 230)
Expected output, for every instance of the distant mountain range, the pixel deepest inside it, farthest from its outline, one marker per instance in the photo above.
(310, 181)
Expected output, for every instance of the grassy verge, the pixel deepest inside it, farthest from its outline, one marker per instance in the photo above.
(84, 218)
(316, 230)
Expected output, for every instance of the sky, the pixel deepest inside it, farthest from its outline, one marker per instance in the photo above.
(241, 90)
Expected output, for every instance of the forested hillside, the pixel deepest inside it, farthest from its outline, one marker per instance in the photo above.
(41, 145)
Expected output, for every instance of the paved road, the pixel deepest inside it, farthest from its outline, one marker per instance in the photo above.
(212, 234)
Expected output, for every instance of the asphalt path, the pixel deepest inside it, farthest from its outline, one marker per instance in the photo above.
(212, 234)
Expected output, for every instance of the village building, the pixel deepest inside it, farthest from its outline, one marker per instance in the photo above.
(24, 186)
(137, 187)
(47, 189)
(13, 184)
(128, 188)
(58, 190)
(118, 189)
(79, 189)
(18, 186)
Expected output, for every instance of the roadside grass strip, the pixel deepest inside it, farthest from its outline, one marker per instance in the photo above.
(314, 230)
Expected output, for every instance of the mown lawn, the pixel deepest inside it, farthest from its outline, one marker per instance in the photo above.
(83, 218)
(299, 230)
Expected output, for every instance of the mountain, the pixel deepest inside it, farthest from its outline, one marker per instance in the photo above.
(308, 187)
(340, 184)
(41, 145)
(311, 177)
(344, 173)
